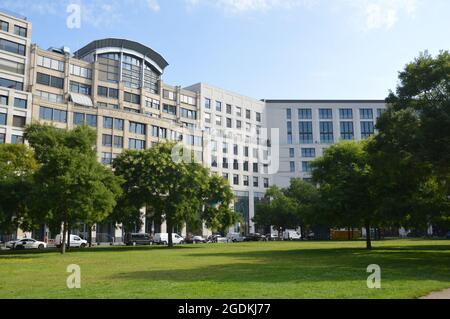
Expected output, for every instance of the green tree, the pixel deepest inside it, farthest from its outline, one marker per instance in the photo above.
(344, 177)
(17, 166)
(70, 185)
(176, 190)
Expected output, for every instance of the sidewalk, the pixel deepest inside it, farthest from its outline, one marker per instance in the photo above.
(444, 294)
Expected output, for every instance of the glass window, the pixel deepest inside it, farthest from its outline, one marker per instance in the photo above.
(292, 167)
(106, 158)
(366, 114)
(2, 138)
(347, 131)
(346, 114)
(20, 31)
(248, 114)
(304, 114)
(291, 152)
(218, 120)
(380, 112)
(20, 103)
(3, 99)
(118, 124)
(2, 119)
(52, 81)
(207, 103)
(308, 152)
(218, 106)
(11, 66)
(107, 140)
(135, 144)
(289, 114)
(118, 142)
(102, 91)
(78, 118)
(255, 168)
(236, 179)
(235, 165)
(132, 98)
(170, 109)
(137, 128)
(17, 139)
(229, 109)
(367, 129)
(306, 132)
(325, 114)
(266, 183)
(109, 67)
(10, 84)
(12, 47)
(236, 149)
(326, 133)
(131, 71)
(107, 122)
(306, 167)
(238, 111)
(246, 180)
(46, 113)
(60, 116)
(50, 63)
(4, 26)
(80, 71)
(258, 117)
(91, 120)
(80, 88)
(19, 121)
(229, 123)
(238, 124)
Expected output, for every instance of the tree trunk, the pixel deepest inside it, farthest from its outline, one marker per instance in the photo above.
(169, 233)
(90, 235)
(68, 236)
(349, 233)
(368, 238)
(63, 242)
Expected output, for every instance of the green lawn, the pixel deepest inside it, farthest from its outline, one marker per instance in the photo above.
(410, 269)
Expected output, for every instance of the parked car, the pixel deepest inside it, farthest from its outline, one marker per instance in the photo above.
(163, 239)
(217, 239)
(194, 239)
(26, 243)
(290, 234)
(235, 237)
(272, 237)
(133, 239)
(75, 241)
(255, 237)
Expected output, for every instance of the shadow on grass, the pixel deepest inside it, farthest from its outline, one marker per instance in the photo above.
(309, 265)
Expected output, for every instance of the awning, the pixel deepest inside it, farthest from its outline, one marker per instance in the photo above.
(81, 99)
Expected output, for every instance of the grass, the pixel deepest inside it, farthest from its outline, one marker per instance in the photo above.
(410, 269)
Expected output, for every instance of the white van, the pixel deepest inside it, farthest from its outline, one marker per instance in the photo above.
(235, 237)
(290, 234)
(75, 241)
(163, 238)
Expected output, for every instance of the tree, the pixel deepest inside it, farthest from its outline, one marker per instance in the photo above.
(345, 186)
(413, 144)
(176, 190)
(70, 185)
(17, 166)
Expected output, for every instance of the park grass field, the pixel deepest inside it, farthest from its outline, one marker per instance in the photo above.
(410, 269)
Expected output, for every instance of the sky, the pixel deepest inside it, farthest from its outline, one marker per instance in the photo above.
(265, 49)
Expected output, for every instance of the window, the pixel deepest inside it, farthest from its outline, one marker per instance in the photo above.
(80, 88)
(102, 91)
(188, 99)
(325, 114)
(246, 164)
(2, 138)
(10, 84)
(225, 163)
(219, 120)
(80, 71)
(19, 121)
(91, 120)
(207, 118)
(346, 114)
(326, 133)
(380, 112)
(304, 114)
(131, 71)
(367, 129)
(238, 111)
(78, 118)
(2, 119)
(258, 117)
(218, 106)
(4, 26)
(132, 98)
(107, 122)
(151, 78)
(11, 66)
(266, 183)
(189, 114)
(48, 80)
(20, 103)
(291, 152)
(308, 152)
(17, 139)
(55, 98)
(246, 149)
(306, 167)
(229, 109)
(20, 31)
(225, 148)
(151, 103)
(3, 99)
(106, 158)
(235, 179)
(137, 128)
(236, 149)
(109, 67)
(246, 180)
(248, 114)
(170, 109)
(50, 63)
(59, 116)
(255, 181)
(366, 114)
(248, 127)
(255, 168)
(134, 144)
(292, 167)
(107, 140)
(289, 133)
(118, 124)
(289, 114)
(12, 47)
(347, 131)
(169, 95)
(229, 123)
(207, 103)
(118, 142)
(238, 124)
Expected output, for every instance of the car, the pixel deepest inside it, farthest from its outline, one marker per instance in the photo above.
(75, 241)
(163, 239)
(272, 237)
(194, 239)
(217, 239)
(255, 237)
(235, 237)
(290, 234)
(26, 243)
(133, 239)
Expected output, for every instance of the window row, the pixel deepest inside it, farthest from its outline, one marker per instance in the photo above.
(49, 80)
(229, 110)
(18, 102)
(327, 114)
(50, 63)
(12, 47)
(54, 115)
(11, 66)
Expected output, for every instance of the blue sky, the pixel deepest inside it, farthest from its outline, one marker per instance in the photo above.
(302, 49)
